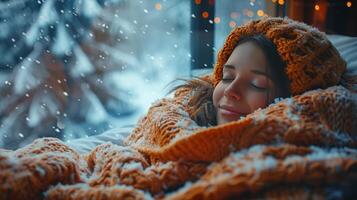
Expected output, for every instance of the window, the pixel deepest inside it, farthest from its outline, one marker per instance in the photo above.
(77, 68)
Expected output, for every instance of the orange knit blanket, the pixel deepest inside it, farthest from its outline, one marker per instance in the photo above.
(304, 147)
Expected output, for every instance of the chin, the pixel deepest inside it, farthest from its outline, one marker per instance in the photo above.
(224, 120)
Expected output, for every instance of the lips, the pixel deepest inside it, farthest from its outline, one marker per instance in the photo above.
(230, 111)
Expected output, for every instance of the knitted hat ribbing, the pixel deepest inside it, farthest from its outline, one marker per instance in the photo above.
(311, 60)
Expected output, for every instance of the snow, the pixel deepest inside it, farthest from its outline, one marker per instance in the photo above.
(91, 8)
(47, 15)
(319, 154)
(40, 170)
(26, 77)
(261, 114)
(258, 164)
(128, 48)
(63, 43)
(9, 125)
(133, 165)
(277, 100)
(342, 138)
(40, 108)
(96, 112)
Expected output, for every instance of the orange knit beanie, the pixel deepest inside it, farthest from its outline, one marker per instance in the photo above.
(311, 60)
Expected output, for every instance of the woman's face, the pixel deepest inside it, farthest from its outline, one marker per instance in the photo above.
(246, 84)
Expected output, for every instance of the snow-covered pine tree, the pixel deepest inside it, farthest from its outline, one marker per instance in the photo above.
(56, 58)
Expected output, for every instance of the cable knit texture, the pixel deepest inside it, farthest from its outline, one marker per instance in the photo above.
(311, 60)
(303, 147)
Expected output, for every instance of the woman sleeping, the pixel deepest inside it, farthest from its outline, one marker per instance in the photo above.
(277, 118)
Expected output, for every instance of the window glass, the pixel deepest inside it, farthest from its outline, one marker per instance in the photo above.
(76, 68)
(230, 14)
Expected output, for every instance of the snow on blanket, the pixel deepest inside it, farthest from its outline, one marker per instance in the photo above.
(302, 147)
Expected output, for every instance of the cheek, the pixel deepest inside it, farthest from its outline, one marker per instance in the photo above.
(256, 101)
(217, 94)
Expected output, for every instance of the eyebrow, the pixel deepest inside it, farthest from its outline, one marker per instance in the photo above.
(253, 70)
(260, 72)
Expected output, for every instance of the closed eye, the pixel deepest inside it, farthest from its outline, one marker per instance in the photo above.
(263, 89)
(227, 80)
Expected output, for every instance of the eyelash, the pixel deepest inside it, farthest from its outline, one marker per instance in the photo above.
(258, 88)
(228, 80)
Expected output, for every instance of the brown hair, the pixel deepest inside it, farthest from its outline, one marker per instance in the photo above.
(201, 103)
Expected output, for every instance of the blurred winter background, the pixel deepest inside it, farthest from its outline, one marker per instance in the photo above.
(75, 68)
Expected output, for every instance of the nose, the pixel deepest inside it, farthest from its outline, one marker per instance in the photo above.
(233, 90)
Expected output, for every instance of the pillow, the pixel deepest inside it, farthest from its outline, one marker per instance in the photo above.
(347, 46)
(86, 144)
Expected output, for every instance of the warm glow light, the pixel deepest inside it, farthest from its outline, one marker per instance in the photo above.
(281, 2)
(217, 20)
(232, 24)
(250, 13)
(245, 11)
(260, 13)
(205, 14)
(158, 6)
(317, 7)
(234, 15)
(349, 4)
(197, 2)
(274, 1)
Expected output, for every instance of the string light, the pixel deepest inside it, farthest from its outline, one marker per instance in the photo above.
(158, 6)
(349, 4)
(205, 14)
(260, 13)
(250, 13)
(232, 24)
(217, 20)
(281, 2)
(245, 11)
(317, 7)
(197, 2)
(274, 1)
(234, 15)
